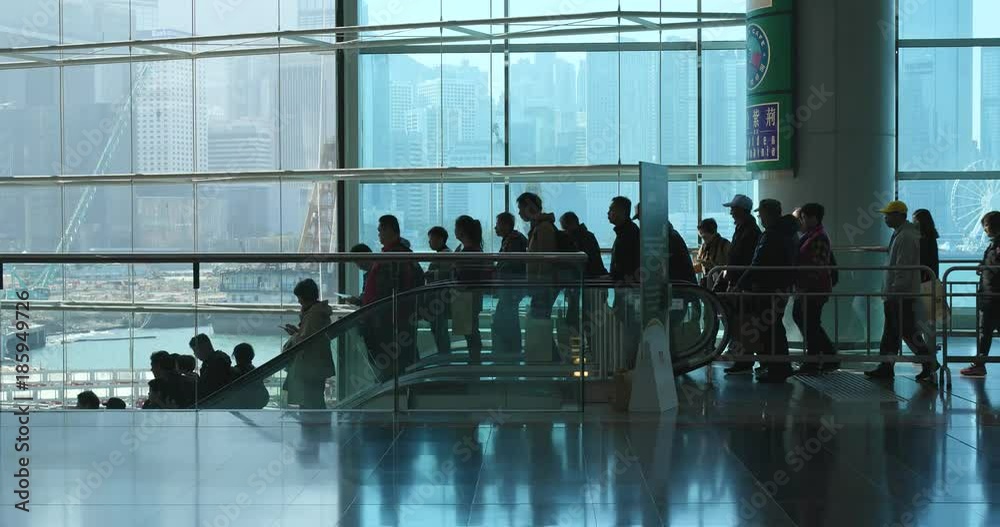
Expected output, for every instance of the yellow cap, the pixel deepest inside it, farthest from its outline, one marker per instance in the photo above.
(894, 206)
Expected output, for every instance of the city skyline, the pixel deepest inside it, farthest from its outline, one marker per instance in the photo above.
(572, 108)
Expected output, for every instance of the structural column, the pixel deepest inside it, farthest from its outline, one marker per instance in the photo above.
(844, 124)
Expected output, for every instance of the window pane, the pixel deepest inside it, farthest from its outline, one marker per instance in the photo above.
(683, 209)
(958, 207)
(640, 98)
(226, 17)
(398, 91)
(31, 219)
(239, 115)
(308, 111)
(161, 19)
(949, 118)
(680, 107)
(97, 218)
(97, 126)
(724, 97)
(29, 23)
(564, 110)
(308, 216)
(382, 12)
(29, 122)
(308, 14)
(467, 126)
(949, 19)
(738, 33)
(239, 218)
(163, 117)
(95, 20)
(163, 216)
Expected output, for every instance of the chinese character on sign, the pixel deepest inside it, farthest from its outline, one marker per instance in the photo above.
(763, 128)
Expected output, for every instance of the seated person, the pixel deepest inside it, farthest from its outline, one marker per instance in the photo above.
(115, 403)
(87, 401)
(255, 394)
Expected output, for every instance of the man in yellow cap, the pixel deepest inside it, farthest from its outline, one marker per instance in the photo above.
(900, 309)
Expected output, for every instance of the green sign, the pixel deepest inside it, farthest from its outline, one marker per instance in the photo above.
(769, 54)
(770, 85)
(770, 132)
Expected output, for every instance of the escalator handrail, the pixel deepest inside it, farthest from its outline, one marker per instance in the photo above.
(340, 326)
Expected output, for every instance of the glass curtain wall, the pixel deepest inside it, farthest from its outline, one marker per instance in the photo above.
(580, 100)
(949, 120)
(670, 97)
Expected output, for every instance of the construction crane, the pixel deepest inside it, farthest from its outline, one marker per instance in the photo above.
(39, 287)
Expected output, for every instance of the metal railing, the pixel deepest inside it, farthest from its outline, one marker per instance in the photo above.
(946, 358)
(929, 330)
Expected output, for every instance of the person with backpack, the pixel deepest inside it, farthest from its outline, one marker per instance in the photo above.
(584, 241)
(813, 288)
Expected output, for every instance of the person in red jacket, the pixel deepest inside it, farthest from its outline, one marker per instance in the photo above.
(391, 348)
(813, 288)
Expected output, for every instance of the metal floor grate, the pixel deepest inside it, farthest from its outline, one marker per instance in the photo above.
(844, 386)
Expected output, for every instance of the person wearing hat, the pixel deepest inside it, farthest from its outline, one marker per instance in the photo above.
(741, 249)
(900, 309)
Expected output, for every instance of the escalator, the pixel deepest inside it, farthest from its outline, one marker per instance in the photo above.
(408, 369)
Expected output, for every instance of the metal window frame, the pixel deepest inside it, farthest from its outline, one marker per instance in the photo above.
(935, 43)
(360, 37)
(349, 43)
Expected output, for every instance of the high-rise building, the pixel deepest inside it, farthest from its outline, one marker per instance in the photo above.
(679, 109)
(602, 104)
(935, 87)
(989, 146)
(723, 118)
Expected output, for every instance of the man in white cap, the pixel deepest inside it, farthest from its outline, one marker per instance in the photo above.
(741, 252)
(900, 309)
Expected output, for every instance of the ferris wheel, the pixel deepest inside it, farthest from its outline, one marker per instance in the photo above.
(971, 199)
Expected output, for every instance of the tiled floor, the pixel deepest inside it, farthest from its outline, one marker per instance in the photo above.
(736, 453)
